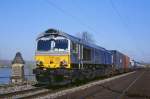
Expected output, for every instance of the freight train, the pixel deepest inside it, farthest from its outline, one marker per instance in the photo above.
(62, 58)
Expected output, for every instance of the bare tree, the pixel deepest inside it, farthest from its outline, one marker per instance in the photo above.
(86, 36)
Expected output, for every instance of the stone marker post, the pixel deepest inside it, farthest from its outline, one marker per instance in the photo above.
(17, 76)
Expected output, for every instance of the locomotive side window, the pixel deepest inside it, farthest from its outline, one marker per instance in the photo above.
(86, 54)
(74, 47)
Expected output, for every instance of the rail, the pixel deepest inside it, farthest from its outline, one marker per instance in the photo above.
(24, 93)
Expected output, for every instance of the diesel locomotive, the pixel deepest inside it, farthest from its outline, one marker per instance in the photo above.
(62, 58)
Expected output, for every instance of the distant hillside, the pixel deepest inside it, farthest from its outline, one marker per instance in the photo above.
(8, 63)
(5, 62)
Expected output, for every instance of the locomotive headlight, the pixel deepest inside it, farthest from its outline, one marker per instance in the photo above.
(44, 69)
(39, 63)
(63, 63)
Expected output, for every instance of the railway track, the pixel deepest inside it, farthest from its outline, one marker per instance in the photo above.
(25, 93)
(43, 92)
(9, 88)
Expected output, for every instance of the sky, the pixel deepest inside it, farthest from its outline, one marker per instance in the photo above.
(123, 25)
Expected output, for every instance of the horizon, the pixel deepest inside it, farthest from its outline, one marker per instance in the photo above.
(114, 25)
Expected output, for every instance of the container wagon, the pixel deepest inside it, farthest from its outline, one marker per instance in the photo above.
(118, 61)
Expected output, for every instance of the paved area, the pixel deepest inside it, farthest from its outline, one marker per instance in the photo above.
(141, 88)
(133, 86)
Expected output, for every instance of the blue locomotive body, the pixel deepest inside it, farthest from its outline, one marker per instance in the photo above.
(85, 54)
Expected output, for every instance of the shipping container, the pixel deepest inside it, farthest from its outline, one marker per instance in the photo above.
(126, 63)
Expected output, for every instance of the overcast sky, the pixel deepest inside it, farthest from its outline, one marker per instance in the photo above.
(123, 25)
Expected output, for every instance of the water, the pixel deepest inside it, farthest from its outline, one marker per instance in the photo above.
(5, 73)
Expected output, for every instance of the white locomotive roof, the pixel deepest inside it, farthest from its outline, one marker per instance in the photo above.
(52, 31)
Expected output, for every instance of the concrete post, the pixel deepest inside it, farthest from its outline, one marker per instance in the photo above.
(17, 76)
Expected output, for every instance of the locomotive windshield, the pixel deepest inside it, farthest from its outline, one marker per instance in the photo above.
(46, 45)
(61, 44)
